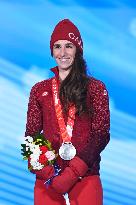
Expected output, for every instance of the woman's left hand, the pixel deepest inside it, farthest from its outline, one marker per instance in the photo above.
(65, 181)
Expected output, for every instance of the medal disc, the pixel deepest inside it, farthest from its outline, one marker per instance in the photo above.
(67, 151)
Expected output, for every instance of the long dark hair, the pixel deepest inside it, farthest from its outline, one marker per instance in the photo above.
(73, 89)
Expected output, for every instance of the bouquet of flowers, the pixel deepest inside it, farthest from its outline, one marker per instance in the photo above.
(39, 151)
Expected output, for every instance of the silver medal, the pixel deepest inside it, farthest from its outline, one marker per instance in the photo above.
(67, 151)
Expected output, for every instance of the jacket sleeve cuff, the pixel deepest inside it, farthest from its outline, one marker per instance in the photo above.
(78, 166)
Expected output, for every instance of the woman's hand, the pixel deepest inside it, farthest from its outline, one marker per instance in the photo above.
(65, 181)
(44, 174)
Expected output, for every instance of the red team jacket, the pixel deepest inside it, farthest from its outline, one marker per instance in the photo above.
(90, 134)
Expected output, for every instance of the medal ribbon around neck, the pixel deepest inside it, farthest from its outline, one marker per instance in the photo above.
(65, 131)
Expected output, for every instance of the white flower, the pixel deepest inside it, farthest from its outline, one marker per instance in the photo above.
(34, 157)
(34, 162)
(32, 147)
(50, 155)
(29, 139)
(36, 165)
(36, 150)
(27, 143)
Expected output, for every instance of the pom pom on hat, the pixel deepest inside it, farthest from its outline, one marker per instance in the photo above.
(66, 30)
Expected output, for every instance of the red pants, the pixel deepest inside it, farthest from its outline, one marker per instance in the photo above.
(88, 192)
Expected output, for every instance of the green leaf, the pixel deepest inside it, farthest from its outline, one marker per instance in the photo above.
(23, 145)
(30, 168)
(25, 158)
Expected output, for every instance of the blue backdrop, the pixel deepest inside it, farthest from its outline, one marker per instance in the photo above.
(108, 29)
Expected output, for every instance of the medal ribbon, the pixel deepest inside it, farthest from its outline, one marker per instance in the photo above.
(65, 131)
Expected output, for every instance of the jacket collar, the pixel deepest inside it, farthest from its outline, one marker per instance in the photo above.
(55, 70)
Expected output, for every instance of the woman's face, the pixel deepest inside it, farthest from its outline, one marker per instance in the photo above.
(64, 53)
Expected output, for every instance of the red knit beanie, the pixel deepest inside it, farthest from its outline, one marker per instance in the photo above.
(66, 30)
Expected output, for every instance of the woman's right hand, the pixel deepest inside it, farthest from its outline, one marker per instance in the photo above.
(45, 173)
